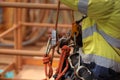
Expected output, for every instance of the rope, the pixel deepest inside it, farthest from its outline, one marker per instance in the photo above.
(48, 65)
(57, 16)
(63, 58)
(58, 10)
(47, 60)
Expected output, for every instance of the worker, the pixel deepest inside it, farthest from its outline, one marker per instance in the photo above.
(100, 35)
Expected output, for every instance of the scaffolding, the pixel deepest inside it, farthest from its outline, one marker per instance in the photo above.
(17, 29)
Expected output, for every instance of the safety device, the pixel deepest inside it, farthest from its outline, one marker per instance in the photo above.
(77, 31)
(84, 73)
(100, 31)
(76, 34)
(81, 71)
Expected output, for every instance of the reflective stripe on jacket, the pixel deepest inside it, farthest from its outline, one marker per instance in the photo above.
(101, 38)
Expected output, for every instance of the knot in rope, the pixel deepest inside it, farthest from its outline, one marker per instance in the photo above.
(48, 65)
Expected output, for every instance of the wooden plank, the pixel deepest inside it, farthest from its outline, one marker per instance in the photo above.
(9, 30)
(37, 61)
(18, 37)
(46, 25)
(32, 5)
(22, 52)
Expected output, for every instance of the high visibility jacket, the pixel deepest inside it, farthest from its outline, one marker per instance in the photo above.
(100, 31)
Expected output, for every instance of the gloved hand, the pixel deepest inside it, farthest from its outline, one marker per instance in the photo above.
(73, 4)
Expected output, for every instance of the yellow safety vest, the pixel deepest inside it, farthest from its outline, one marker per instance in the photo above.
(100, 31)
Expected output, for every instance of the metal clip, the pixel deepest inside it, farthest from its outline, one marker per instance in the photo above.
(48, 46)
(83, 73)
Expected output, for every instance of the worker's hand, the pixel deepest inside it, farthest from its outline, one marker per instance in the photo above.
(73, 4)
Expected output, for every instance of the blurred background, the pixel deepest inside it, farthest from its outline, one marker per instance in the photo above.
(33, 38)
